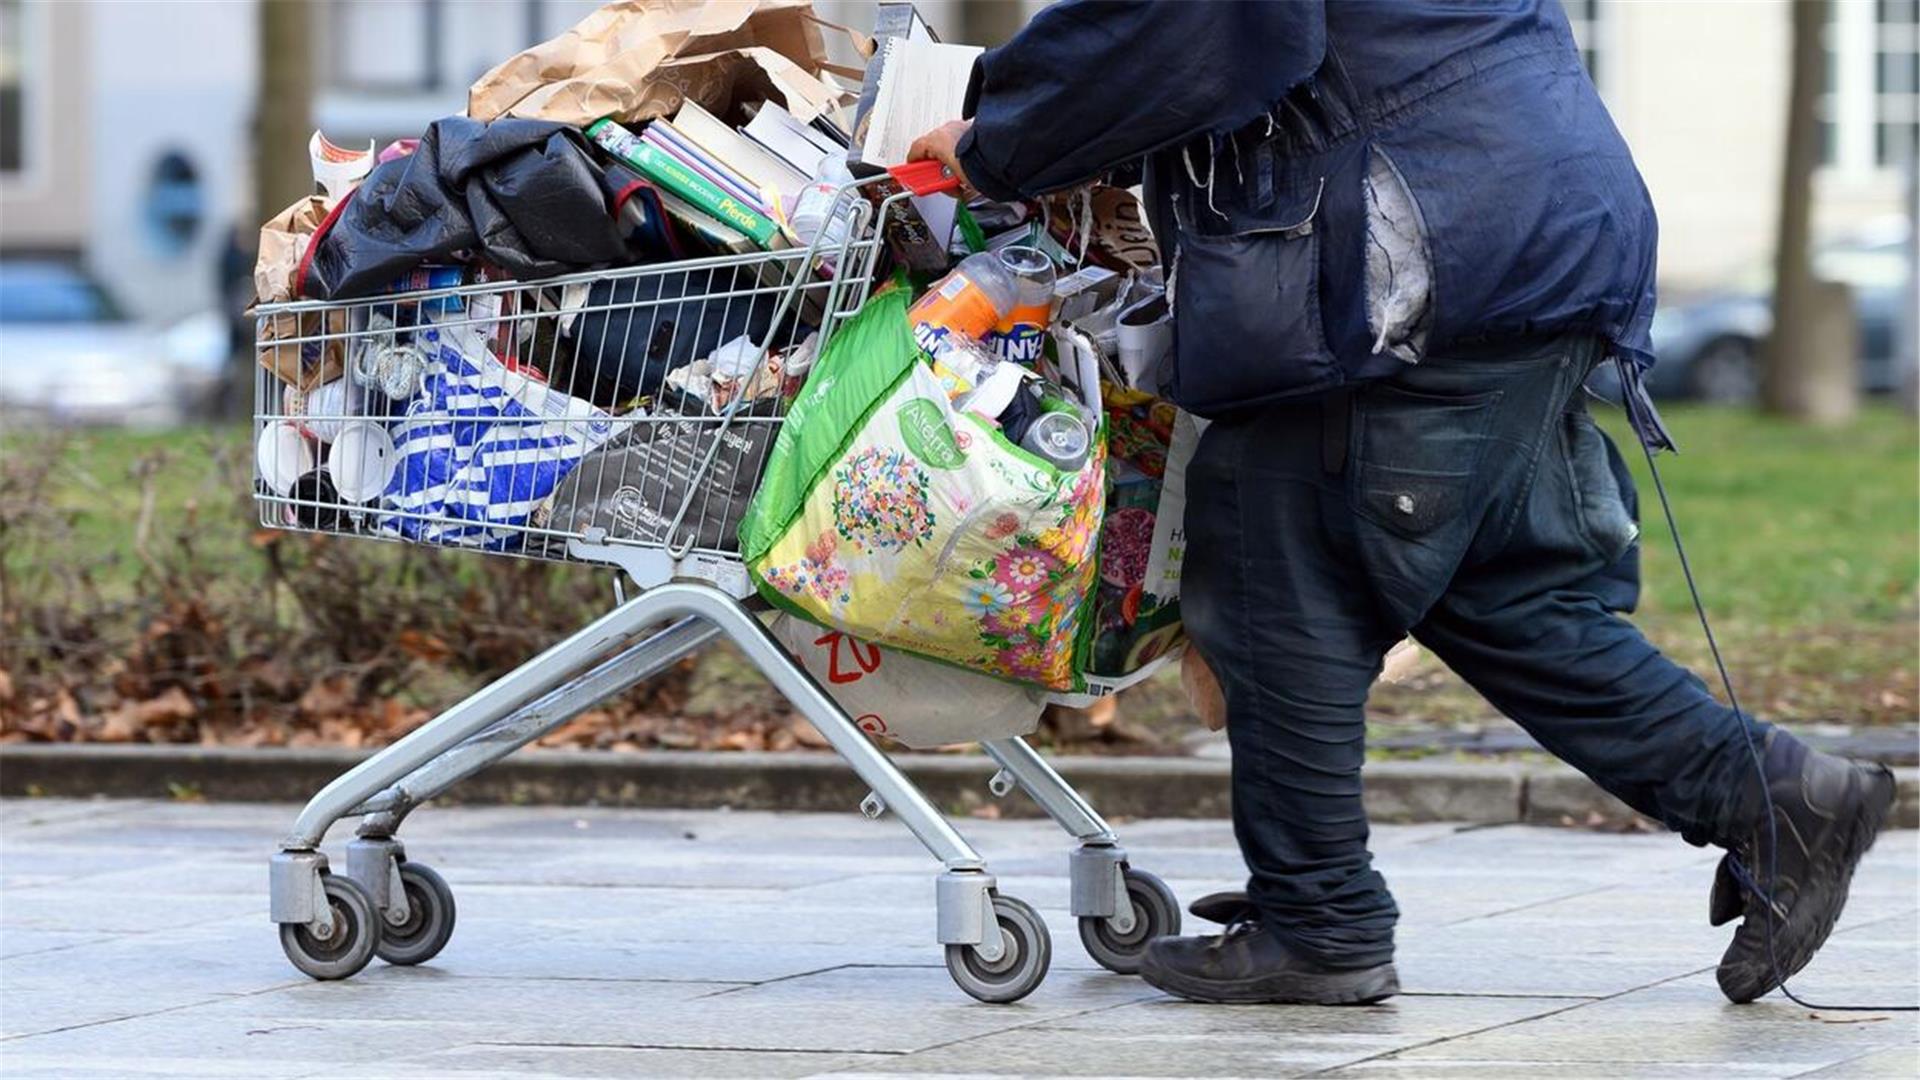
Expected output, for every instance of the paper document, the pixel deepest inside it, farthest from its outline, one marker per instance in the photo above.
(923, 84)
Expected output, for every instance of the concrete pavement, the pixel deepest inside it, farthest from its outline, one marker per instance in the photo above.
(134, 942)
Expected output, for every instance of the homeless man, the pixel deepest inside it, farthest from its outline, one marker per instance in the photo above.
(1397, 238)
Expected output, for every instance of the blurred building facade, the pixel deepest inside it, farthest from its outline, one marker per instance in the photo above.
(123, 141)
(125, 126)
(1699, 91)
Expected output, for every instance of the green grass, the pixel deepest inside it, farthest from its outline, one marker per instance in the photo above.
(1805, 541)
(100, 485)
(1784, 523)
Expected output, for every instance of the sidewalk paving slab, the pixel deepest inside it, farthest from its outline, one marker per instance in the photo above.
(601, 942)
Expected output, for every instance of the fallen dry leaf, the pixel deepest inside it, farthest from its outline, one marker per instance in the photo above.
(328, 697)
(423, 646)
(805, 734)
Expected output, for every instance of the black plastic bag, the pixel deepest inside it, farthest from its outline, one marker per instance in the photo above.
(525, 195)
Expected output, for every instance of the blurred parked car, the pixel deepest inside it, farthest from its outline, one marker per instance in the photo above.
(1707, 344)
(68, 355)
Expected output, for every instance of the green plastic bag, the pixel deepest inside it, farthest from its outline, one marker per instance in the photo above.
(885, 513)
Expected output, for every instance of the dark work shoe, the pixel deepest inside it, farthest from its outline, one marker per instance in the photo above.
(1249, 966)
(1827, 811)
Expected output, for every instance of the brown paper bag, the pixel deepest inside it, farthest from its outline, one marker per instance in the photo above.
(1120, 239)
(635, 60)
(283, 242)
(1203, 690)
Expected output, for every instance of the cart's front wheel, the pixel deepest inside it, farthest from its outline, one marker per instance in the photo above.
(1028, 950)
(351, 944)
(1155, 914)
(429, 918)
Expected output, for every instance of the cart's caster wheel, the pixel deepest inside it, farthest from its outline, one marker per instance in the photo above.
(1155, 914)
(1029, 950)
(429, 918)
(356, 933)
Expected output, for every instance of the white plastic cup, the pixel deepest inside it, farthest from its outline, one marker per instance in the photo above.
(282, 454)
(361, 461)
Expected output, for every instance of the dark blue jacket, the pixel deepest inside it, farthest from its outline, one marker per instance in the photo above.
(1262, 126)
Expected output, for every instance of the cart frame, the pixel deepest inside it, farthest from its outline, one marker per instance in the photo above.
(997, 948)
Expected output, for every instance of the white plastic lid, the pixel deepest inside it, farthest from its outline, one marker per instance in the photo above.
(361, 461)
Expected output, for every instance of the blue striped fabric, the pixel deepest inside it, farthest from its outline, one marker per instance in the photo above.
(480, 447)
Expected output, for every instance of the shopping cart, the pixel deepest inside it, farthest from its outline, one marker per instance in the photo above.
(622, 329)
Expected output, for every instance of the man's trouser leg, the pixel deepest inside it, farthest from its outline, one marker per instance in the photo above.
(1472, 507)
(1532, 624)
(1276, 603)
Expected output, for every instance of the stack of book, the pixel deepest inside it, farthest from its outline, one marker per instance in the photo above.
(730, 190)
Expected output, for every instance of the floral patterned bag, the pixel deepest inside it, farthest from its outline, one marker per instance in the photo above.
(887, 514)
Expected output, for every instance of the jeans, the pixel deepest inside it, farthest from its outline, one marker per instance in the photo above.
(1471, 502)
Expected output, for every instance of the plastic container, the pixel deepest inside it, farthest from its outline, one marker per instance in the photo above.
(970, 301)
(814, 211)
(1061, 438)
(961, 364)
(1021, 331)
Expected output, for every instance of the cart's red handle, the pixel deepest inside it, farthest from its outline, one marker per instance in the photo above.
(927, 177)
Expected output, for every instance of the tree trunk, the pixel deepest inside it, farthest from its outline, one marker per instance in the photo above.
(281, 172)
(1810, 369)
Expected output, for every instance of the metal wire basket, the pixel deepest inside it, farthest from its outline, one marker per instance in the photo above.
(631, 409)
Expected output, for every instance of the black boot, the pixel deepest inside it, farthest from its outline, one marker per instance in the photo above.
(1826, 813)
(1248, 966)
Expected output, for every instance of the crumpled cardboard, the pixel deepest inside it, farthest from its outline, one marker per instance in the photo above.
(283, 242)
(308, 363)
(635, 60)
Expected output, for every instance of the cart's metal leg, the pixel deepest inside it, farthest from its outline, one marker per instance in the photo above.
(478, 712)
(1037, 778)
(374, 862)
(631, 666)
(964, 895)
(872, 766)
(1096, 868)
